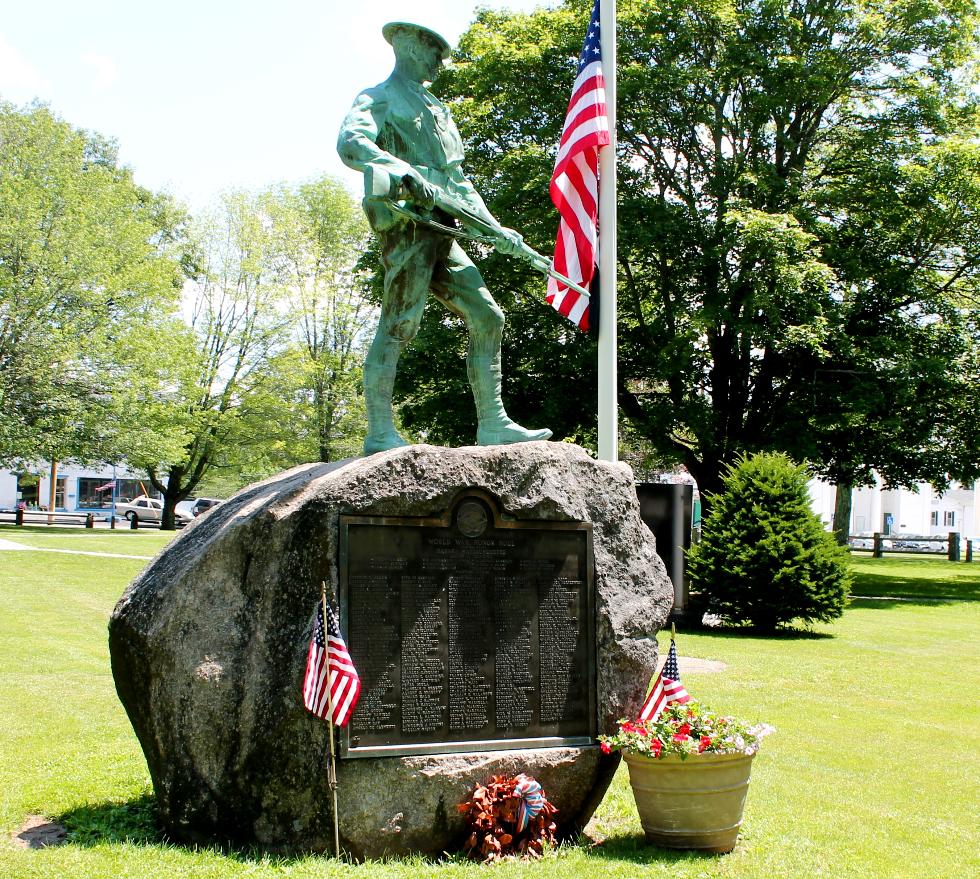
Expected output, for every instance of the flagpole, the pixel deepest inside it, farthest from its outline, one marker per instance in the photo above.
(607, 408)
(332, 768)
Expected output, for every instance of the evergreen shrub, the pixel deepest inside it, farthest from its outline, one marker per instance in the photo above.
(764, 556)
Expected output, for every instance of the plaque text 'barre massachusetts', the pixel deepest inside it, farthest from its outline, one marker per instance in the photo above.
(470, 632)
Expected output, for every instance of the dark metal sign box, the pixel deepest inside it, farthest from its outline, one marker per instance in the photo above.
(471, 632)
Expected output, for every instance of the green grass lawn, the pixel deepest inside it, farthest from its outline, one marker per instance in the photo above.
(146, 542)
(873, 771)
(916, 577)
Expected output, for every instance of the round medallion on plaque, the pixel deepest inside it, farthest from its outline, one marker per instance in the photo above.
(471, 519)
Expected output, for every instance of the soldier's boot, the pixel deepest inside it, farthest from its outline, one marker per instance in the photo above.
(494, 426)
(379, 381)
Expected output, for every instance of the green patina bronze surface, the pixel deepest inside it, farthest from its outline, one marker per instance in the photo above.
(403, 139)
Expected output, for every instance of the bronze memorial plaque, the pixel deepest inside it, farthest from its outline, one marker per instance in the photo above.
(473, 632)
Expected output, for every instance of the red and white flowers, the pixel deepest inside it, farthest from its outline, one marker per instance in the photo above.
(686, 730)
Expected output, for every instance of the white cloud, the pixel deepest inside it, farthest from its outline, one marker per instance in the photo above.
(19, 80)
(103, 67)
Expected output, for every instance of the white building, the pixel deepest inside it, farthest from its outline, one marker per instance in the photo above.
(77, 490)
(899, 511)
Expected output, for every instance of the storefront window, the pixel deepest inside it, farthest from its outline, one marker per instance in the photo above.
(27, 489)
(96, 494)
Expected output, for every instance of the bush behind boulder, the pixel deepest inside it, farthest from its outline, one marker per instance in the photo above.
(764, 556)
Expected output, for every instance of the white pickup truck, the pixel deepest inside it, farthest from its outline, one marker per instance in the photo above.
(148, 509)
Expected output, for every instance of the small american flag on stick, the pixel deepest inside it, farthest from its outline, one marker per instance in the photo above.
(666, 689)
(575, 182)
(337, 701)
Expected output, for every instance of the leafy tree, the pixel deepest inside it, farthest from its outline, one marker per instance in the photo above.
(87, 287)
(798, 231)
(316, 230)
(764, 556)
(231, 303)
(279, 323)
(276, 427)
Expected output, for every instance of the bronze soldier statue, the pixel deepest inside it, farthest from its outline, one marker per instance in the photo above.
(403, 139)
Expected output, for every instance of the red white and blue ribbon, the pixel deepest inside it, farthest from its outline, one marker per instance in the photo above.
(532, 800)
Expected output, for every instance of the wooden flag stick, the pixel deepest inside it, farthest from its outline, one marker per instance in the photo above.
(673, 631)
(332, 768)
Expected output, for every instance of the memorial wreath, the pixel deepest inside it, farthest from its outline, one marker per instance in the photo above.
(508, 816)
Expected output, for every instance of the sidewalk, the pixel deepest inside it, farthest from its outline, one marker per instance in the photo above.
(11, 545)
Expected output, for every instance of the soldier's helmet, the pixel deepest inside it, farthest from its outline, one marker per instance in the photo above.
(394, 27)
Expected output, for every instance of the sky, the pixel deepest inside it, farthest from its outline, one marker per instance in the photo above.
(213, 94)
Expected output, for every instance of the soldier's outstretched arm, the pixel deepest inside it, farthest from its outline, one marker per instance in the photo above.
(509, 241)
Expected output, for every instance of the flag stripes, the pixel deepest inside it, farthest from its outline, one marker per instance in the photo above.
(667, 688)
(574, 185)
(532, 800)
(344, 683)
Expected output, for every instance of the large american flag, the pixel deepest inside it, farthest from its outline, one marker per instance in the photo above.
(575, 183)
(345, 685)
(667, 688)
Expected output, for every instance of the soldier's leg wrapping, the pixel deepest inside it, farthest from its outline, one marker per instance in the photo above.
(409, 257)
(457, 283)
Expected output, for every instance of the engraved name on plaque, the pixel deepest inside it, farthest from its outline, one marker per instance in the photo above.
(470, 632)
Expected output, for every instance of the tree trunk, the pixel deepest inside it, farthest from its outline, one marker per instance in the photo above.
(708, 476)
(174, 491)
(842, 512)
(326, 434)
(173, 494)
(52, 491)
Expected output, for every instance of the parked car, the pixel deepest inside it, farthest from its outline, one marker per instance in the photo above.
(148, 509)
(203, 504)
(864, 540)
(186, 507)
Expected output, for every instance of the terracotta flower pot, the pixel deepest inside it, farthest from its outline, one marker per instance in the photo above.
(695, 803)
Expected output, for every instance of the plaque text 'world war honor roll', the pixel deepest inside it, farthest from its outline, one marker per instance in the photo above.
(474, 631)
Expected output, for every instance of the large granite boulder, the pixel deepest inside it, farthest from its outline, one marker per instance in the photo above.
(209, 643)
